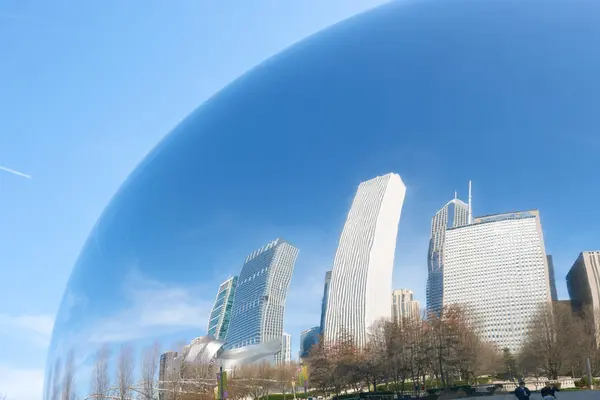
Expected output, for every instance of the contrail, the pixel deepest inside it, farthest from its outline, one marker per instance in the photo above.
(12, 171)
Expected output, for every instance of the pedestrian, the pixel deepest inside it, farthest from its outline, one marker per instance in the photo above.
(522, 392)
(548, 392)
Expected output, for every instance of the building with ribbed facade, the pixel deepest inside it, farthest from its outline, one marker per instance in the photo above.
(220, 316)
(285, 355)
(324, 301)
(453, 214)
(496, 268)
(361, 277)
(308, 339)
(404, 306)
(583, 284)
(259, 305)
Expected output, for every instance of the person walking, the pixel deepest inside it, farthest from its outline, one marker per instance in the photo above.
(548, 392)
(522, 392)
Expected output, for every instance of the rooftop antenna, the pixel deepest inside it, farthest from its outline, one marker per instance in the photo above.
(455, 195)
(470, 209)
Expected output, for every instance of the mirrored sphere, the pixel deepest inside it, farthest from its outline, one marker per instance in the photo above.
(439, 92)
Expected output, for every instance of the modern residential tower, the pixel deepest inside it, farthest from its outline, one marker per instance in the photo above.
(284, 357)
(308, 339)
(259, 306)
(452, 214)
(496, 268)
(361, 278)
(404, 306)
(220, 316)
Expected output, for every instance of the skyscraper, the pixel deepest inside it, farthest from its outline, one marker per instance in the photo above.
(583, 283)
(497, 269)
(452, 214)
(219, 319)
(285, 355)
(361, 278)
(404, 306)
(259, 306)
(308, 339)
(552, 278)
(324, 301)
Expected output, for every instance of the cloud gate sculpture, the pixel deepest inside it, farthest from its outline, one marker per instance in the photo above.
(407, 88)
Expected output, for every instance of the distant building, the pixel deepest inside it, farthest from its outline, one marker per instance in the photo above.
(453, 214)
(219, 319)
(497, 269)
(552, 278)
(361, 278)
(583, 283)
(285, 355)
(404, 306)
(168, 371)
(324, 301)
(308, 339)
(259, 306)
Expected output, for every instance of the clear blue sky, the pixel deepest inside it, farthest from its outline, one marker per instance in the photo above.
(86, 90)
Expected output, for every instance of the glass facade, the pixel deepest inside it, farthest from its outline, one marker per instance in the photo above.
(308, 339)
(220, 316)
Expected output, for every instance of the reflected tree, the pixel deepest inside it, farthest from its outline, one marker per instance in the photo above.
(150, 363)
(125, 366)
(100, 376)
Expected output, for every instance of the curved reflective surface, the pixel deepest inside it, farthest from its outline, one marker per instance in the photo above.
(437, 91)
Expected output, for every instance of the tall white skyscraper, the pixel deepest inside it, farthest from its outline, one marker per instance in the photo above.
(361, 278)
(404, 306)
(218, 321)
(497, 269)
(285, 355)
(454, 213)
(259, 305)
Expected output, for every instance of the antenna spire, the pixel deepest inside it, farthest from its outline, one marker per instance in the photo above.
(470, 209)
(455, 195)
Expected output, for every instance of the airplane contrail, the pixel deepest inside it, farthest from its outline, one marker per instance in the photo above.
(12, 171)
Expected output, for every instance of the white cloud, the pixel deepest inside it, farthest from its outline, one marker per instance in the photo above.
(36, 328)
(21, 384)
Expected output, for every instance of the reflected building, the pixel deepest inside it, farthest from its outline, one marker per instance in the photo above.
(497, 269)
(285, 355)
(220, 316)
(361, 278)
(583, 284)
(404, 306)
(324, 301)
(308, 339)
(453, 214)
(259, 306)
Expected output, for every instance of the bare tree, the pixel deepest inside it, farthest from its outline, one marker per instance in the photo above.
(100, 376)
(125, 366)
(56, 380)
(554, 337)
(150, 361)
(68, 389)
(284, 374)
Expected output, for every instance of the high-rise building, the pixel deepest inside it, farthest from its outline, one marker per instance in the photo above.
(308, 339)
(285, 355)
(552, 278)
(404, 306)
(452, 214)
(168, 371)
(497, 269)
(324, 301)
(219, 319)
(583, 284)
(259, 306)
(361, 278)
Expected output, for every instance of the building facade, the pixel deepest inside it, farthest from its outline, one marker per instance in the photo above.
(361, 278)
(552, 278)
(404, 306)
(285, 355)
(324, 301)
(259, 306)
(453, 214)
(497, 269)
(583, 284)
(308, 339)
(220, 316)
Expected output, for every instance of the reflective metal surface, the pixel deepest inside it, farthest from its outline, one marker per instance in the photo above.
(417, 88)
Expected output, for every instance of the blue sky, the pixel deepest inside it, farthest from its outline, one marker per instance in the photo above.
(88, 88)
